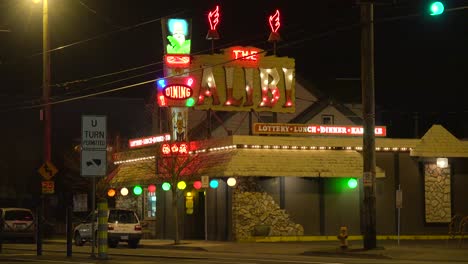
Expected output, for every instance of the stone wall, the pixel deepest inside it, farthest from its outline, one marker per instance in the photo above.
(256, 213)
(437, 194)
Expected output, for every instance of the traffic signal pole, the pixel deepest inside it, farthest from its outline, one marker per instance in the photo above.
(368, 217)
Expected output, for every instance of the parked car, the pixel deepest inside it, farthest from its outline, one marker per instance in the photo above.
(17, 223)
(123, 225)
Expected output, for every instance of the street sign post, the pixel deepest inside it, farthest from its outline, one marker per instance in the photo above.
(93, 163)
(93, 156)
(93, 133)
(47, 170)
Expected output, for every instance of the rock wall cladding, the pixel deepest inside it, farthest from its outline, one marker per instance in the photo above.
(256, 213)
(437, 194)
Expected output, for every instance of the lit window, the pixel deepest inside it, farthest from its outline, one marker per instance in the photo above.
(150, 204)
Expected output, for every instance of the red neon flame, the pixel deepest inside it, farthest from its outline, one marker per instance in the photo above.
(275, 21)
(213, 18)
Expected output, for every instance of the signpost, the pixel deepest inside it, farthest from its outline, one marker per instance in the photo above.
(205, 184)
(399, 205)
(93, 156)
(47, 171)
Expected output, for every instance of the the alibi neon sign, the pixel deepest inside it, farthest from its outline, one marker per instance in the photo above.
(243, 79)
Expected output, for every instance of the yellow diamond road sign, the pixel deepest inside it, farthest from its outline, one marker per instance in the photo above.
(47, 170)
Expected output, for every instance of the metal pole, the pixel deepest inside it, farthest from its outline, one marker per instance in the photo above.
(69, 224)
(93, 206)
(206, 215)
(367, 81)
(46, 81)
(398, 226)
(46, 118)
(39, 229)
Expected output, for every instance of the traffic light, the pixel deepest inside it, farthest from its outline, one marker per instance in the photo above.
(436, 8)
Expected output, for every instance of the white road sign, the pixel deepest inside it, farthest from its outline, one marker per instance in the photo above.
(93, 132)
(93, 163)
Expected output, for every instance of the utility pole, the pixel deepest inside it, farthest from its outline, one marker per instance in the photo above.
(46, 81)
(45, 115)
(368, 216)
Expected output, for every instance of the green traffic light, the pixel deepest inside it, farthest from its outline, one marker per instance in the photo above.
(436, 8)
(352, 183)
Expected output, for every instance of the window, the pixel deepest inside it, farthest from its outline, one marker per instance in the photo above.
(328, 119)
(19, 215)
(151, 205)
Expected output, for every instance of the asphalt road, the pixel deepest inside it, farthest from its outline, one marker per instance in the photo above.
(56, 254)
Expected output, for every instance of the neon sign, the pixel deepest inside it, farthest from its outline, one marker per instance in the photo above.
(213, 18)
(141, 142)
(274, 22)
(177, 60)
(175, 149)
(177, 35)
(175, 91)
(304, 129)
(178, 91)
(250, 80)
(245, 54)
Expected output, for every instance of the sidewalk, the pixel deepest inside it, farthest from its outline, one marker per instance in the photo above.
(434, 250)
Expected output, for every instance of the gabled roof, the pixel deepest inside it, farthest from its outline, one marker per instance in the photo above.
(288, 163)
(438, 142)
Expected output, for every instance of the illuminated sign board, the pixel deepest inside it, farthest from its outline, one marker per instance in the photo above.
(175, 149)
(142, 142)
(176, 35)
(175, 61)
(243, 79)
(305, 129)
(175, 91)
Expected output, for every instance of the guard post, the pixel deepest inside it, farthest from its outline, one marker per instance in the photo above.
(102, 229)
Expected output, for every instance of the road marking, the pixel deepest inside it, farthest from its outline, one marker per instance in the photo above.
(46, 261)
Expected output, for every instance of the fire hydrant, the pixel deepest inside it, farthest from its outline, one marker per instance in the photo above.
(343, 237)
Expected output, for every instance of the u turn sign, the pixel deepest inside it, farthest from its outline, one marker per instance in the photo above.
(93, 146)
(93, 133)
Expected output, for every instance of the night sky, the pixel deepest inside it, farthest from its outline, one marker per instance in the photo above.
(420, 61)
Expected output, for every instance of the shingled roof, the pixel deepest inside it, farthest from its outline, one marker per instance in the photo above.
(288, 163)
(438, 142)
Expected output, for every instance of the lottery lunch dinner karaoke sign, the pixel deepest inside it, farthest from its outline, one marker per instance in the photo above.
(309, 129)
(146, 141)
